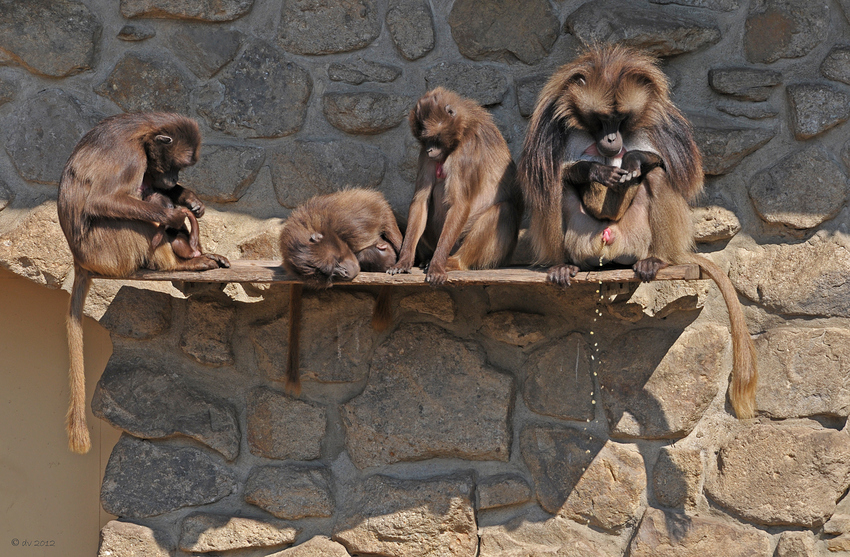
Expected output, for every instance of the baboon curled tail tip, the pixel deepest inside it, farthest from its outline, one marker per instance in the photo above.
(292, 386)
(78, 438)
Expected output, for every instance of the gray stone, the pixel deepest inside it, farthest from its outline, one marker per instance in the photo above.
(152, 403)
(816, 108)
(714, 224)
(527, 90)
(749, 84)
(365, 113)
(836, 65)
(662, 389)
(360, 71)
(719, 5)
(304, 168)
(291, 492)
(317, 546)
(126, 539)
(534, 536)
(6, 195)
(724, 145)
(411, 26)
(336, 339)
(558, 381)
(135, 33)
(677, 476)
(205, 533)
(504, 30)
(141, 83)
(203, 10)
(663, 34)
(36, 248)
(284, 428)
(514, 328)
(797, 544)
(205, 49)
(207, 332)
(841, 543)
(150, 311)
(410, 518)
(42, 131)
(436, 303)
(422, 383)
(752, 111)
(144, 479)
(502, 490)
(819, 270)
(224, 172)
(318, 27)
(781, 473)
(408, 166)
(786, 194)
(260, 94)
(484, 84)
(664, 534)
(608, 494)
(7, 92)
(662, 298)
(54, 39)
(784, 29)
(803, 372)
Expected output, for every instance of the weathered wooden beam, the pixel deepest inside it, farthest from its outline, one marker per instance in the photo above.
(271, 272)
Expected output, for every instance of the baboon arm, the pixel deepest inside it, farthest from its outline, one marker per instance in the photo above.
(123, 206)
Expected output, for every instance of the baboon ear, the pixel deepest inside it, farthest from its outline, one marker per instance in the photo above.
(164, 139)
(578, 79)
(315, 238)
(450, 110)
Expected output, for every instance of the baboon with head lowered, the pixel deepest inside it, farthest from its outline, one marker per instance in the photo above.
(466, 208)
(112, 229)
(608, 168)
(331, 238)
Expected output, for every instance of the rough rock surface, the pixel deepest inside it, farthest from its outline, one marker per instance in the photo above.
(713, 224)
(558, 381)
(514, 328)
(151, 313)
(621, 21)
(205, 10)
(422, 383)
(31, 34)
(663, 534)
(291, 492)
(815, 108)
(152, 404)
(365, 113)
(502, 490)
(797, 544)
(224, 172)
(784, 29)
(410, 518)
(411, 26)
(205, 533)
(133, 540)
(677, 476)
(436, 303)
(810, 202)
(284, 428)
(637, 388)
(205, 49)
(819, 268)
(37, 248)
(359, 71)
(207, 332)
(318, 546)
(317, 27)
(836, 65)
(164, 88)
(144, 479)
(749, 84)
(504, 29)
(484, 84)
(782, 474)
(260, 94)
(804, 372)
(724, 145)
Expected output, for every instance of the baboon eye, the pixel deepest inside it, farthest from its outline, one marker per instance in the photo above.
(450, 110)
(315, 237)
(163, 139)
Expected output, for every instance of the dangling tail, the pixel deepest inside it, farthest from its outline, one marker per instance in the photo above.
(78, 431)
(742, 392)
(382, 315)
(292, 381)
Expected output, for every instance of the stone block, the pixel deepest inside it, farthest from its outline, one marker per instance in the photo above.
(291, 492)
(284, 428)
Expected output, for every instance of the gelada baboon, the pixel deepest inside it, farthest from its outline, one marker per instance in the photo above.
(608, 168)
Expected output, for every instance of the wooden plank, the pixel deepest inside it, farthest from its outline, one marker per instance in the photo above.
(271, 272)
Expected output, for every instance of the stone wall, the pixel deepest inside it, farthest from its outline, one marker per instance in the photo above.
(487, 420)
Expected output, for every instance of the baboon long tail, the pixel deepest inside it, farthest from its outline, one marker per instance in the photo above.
(742, 392)
(78, 431)
(293, 373)
(382, 315)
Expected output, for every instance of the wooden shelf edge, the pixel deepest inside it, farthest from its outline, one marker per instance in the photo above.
(271, 272)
